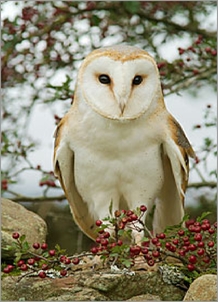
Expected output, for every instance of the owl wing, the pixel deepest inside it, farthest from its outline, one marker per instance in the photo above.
(64, 170)
(175, 152)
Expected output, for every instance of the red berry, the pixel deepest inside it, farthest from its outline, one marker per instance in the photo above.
(119, 242)
(122, 226)
(205, 226)
(189, 222)
(191, 228)
(42, 274)
(51, 252)
(98, 240)
(129, 213)
(168, 245)
(151, 262)
(160, 65)
(63, 272)
(191, 267)
(181, 50)
(146, 243)
(182, 253)
(195, 71)
(125, 220)
(67, 261)
(113, 244)
(36, 245)
(200, 244)
(4, 181)
(197, 229)
(117, 213)
(62, 258)
(6, 270)
(192, 247)
(185, 248)
(134, 217)
(135, 250)
(44, 246)
(210, 243)
(186, 243)
(181, 232)
(104, 242)
(106, 235)
(155, 240)
(31, 261)
(175, 241)
(200, 252)
(156, 254)
(10, 267)
(185, 238)
(206, 221)
(75, 261)
(161, 236)
(15, 235)
(206, 259)
(94, 250)
(198, 237)
(24, 267)
(148, 257)
(192, 259)
(20, 262)
(144, 250)
(44, 266)
(211, 231)
(172, 248)
(198, 126)
(98, 222)
(143, 208)
(4, 184)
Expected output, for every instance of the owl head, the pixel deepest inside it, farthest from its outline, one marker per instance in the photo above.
(119, 82)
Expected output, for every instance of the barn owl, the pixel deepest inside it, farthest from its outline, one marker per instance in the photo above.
(119, 143)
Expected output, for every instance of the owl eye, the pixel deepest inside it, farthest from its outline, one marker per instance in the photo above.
(137, 80)
(104, 79)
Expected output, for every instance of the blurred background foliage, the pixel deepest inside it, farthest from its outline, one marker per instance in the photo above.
(42, 48)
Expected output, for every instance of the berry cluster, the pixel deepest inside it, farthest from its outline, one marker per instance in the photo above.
(114, 236)
(192, 243)
(42, 261)
(187, 65)
(48, 180)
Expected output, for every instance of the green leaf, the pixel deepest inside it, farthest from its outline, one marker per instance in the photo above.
(132, 6)
(203, 215)
(22, 238)
(126, 262)
(95, 20)
(25, 246)
(101, 228)
(121, 232)
(59, 249)
(18, 255)
(185, 217)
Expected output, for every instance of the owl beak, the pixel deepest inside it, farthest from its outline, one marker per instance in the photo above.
(122, 106)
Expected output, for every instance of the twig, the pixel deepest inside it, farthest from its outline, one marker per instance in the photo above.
(211, 184)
